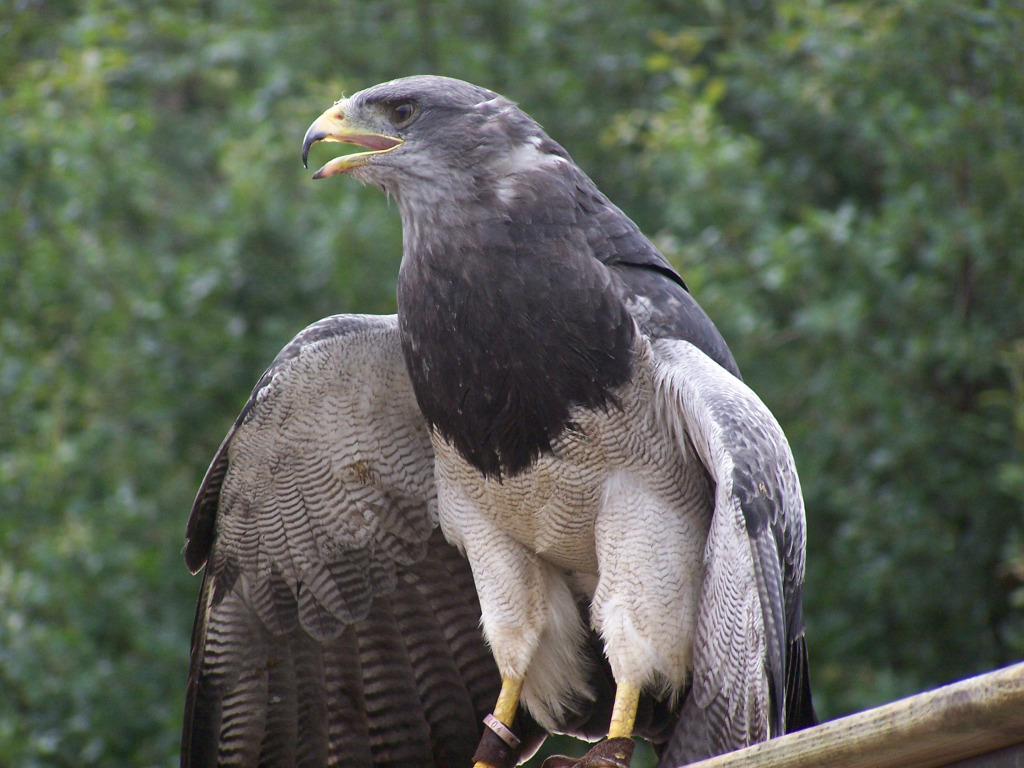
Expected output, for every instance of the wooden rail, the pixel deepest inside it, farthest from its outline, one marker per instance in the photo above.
(950, 726)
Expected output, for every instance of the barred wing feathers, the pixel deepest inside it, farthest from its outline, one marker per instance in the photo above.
(750, 674)
(335, 625)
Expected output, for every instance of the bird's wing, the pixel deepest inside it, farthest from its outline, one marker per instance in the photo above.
(335, 624)
(650, 287)
(749, 655)
(665, 310)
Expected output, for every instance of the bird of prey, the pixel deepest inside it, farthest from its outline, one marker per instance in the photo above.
(538, 499)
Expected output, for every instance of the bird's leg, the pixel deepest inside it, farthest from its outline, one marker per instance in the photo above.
(627, 699)
(508, 700)
(498, 747)
(512, 628)
(530, 620)
(617, 750)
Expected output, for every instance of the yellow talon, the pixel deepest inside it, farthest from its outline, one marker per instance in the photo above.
(627, 699)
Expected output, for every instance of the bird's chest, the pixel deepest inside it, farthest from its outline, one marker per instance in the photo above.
(549, 508)
(553, 508)
(501, 342)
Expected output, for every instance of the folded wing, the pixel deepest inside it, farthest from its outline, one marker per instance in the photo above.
(750, 671)
(335, 624)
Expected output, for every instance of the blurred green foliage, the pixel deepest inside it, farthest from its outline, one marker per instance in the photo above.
(841, 183)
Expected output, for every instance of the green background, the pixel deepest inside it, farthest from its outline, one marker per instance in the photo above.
(840, 183)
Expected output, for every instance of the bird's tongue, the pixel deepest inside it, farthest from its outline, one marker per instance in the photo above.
(373, 141)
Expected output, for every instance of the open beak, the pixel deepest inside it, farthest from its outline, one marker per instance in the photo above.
(332, 126)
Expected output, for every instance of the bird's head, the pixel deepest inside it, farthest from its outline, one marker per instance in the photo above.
(422, 134)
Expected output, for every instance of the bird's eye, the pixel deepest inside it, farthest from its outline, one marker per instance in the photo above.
(402, 112)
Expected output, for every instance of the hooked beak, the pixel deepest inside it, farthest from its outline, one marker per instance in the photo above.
(333, 126)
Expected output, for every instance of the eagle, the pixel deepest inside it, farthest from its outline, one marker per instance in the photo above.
(539, 499)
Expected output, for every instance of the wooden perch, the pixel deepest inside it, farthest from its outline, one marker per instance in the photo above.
(973, 717)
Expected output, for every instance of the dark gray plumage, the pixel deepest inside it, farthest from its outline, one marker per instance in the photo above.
(535, 324)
